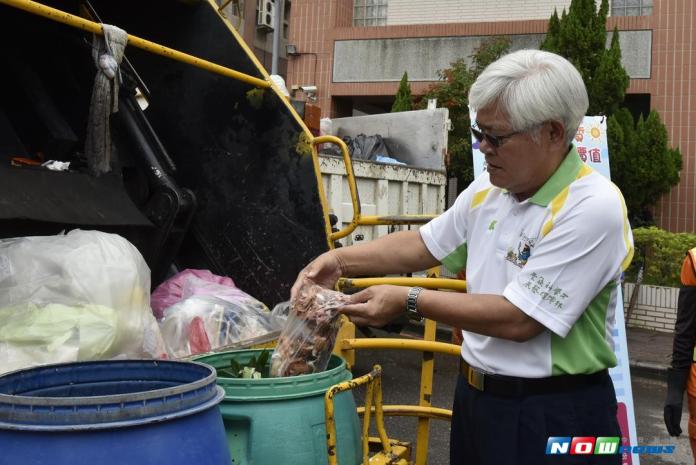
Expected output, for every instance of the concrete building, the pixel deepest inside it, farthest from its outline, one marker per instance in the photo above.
(355, 51)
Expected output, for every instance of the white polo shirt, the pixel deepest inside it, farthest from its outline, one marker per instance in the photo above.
(558, 256)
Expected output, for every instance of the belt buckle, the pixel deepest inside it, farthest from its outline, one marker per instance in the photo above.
(475, 378)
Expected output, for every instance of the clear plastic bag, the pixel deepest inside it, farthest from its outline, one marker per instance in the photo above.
(79, 296)
(309, 335)
(202, 323)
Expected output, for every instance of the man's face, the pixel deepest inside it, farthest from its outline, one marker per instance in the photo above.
(518, 164)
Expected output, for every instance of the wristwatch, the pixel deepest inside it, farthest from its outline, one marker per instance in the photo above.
(412, 304)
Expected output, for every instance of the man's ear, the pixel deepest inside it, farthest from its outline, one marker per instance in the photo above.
(556, 132)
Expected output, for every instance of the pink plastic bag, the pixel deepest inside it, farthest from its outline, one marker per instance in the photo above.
(177, 288)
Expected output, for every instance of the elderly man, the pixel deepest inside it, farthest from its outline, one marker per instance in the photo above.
(543, 239)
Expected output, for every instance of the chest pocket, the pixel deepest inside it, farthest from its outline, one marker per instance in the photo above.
(520, 233)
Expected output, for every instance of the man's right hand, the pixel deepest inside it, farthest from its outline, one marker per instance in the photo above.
(323, 271)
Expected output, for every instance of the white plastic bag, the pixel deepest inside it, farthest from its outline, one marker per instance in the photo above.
(79, 296)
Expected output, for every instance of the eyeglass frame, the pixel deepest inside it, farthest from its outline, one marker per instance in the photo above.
(495, 141)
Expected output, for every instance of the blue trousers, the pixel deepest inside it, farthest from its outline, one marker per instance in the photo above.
(497, 430)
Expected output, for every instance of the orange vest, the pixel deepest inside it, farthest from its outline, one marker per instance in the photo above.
(688, 271)
(688, 278)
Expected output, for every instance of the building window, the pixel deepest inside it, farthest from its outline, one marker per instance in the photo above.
(631, 7)
(369, 12)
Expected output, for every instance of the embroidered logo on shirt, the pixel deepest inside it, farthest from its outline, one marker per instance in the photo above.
(547, 290)
(520, 256)
(491, 226)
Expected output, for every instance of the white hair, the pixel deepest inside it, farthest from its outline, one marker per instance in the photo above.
(532, 87)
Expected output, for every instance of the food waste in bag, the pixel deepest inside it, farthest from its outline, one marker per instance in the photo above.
(309, 335)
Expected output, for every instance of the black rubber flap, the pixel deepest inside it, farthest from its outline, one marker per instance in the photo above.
(66, 197)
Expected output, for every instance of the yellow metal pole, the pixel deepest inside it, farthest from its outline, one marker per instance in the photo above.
(374, 220)
(329, 410)
(152, 47)
(401, 344)
(352, 186)
(379, 416)
(435, 413)
(426, 392)
(428, 283)
(369, 397)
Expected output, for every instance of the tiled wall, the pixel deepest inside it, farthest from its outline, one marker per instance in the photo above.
(458, 11)
(655, 307)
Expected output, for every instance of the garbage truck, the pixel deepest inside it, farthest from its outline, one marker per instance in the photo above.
(182, 144)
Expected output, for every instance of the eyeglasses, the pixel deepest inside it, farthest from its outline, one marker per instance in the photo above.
(495, 141)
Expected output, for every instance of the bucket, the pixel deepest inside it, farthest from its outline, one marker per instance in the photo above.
(271, 421)
(143, 412)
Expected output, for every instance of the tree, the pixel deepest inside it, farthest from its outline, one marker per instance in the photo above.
(403, 101)
(580, 36)
(453, 94)
(643, 165)
(610, 80)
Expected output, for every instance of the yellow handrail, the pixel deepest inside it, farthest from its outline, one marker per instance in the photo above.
(152, 47)
(352, 186)
(428, 283)
(375, 220)
(373, 394)
(402, 344)
(413, 411)
(424, 411)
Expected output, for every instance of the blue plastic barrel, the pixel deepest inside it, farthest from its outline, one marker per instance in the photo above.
(142, 412)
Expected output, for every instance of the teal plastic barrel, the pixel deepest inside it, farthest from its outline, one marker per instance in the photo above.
(273, 421)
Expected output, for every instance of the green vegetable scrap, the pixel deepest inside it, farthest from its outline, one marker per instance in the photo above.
(256, 368)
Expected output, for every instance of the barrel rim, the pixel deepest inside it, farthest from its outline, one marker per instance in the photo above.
(19, 399)
(210, 403)
(266, 389)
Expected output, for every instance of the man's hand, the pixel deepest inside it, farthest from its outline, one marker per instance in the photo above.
(376, 305)
(676, 383)
(324, 271)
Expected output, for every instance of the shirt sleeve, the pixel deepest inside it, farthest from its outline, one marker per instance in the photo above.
(579, 257)
(446, 236)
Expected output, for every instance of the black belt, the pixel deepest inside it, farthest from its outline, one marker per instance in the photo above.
(512, 386)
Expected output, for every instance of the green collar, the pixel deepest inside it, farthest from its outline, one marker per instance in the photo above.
(565, 174)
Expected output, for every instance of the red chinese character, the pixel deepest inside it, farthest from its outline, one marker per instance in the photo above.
(582, 151)
(595, 155)
(580, 134)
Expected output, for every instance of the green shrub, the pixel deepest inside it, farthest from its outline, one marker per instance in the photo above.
(662, 254)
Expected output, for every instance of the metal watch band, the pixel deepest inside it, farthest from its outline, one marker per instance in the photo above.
(412, 304)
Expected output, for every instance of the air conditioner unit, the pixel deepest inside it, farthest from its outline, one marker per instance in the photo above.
(265, 14)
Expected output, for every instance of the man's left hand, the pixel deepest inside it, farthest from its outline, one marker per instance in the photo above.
(376, 305)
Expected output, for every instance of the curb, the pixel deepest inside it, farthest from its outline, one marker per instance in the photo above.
(648, 369)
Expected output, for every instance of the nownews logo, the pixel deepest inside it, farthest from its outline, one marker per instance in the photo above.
(560, 445)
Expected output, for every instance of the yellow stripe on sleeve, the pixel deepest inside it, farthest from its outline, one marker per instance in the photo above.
(629, 247)
(479, 197)
(560, 200)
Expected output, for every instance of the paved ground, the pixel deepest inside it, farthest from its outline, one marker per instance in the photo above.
(649, 355)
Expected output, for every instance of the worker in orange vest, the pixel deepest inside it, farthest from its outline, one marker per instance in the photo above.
(682, 374)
